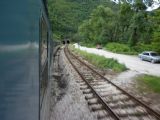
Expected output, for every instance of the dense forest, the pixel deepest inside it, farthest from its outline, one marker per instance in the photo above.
(118, 27)
(66, 15)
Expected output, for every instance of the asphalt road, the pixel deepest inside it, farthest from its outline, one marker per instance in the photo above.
(132, 62)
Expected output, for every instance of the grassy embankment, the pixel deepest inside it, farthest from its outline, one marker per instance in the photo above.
(101, 61)
(152, 82)
(90, 45)
(122, 48)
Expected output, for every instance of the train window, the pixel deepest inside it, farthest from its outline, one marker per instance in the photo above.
(43, 41)
(43, 58)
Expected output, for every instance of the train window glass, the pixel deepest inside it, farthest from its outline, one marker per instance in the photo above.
(43, 41)
(43, 58)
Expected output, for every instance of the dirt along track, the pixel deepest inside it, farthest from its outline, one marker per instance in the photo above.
(132, 62)
(123, 105)
(67, 101)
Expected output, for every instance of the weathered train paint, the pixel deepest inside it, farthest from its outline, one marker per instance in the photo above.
(19, 59)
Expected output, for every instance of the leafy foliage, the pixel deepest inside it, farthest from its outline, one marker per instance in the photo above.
(152, 82)
(62, 18)
(96, 28)
(66, 15)
(119, 48)
(156, 33)
(130, 25)
(102, 21)
(101, 61)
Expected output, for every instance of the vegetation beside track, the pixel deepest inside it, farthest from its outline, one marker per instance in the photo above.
(100, 61)
(93, 22)
(152, 82)
(120, 48)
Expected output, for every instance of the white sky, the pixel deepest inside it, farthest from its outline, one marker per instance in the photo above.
(153, 7)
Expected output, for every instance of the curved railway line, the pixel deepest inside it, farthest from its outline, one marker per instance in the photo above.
(105, 98)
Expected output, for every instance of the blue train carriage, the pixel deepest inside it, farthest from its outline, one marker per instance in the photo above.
(25, 57)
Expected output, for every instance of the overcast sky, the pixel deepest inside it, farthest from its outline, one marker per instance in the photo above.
(155, 5)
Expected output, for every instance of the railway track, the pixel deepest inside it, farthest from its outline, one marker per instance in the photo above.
(105, 98)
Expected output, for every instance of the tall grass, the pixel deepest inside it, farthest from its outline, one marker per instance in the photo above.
(120, 48)
(152, 82)
(90, 45)
(101, 61)
(125, 49)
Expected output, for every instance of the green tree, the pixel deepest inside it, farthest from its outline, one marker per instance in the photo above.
(85, 31)
(156, 33)
(138, 22)
(66, 15)
(100, 27)
(124, 21)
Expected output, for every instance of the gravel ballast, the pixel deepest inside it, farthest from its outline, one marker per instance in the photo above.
(67, 101)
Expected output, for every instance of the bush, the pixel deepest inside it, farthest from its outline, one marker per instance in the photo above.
(156, 45)
(143, 47)
(101, 61)
(152, 82)
(120, 48)
(90, 45)
(77, 38)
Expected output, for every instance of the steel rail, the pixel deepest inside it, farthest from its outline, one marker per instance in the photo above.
(97, 94)
(150, 110)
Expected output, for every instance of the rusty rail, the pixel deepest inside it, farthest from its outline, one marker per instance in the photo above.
(156, 114)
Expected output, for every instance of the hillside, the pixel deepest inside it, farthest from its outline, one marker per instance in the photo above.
(126, 27)
(67, 15)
